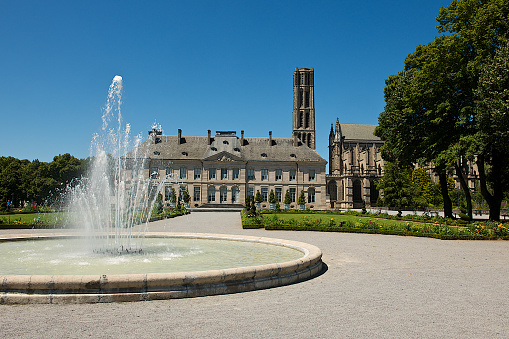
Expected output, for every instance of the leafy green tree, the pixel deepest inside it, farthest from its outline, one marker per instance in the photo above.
(482, 26)
(492, 135)
(65, 168)
(398, 189)
(421, 178)
(430, 113)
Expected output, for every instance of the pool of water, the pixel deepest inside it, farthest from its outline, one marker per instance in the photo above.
(159, 255)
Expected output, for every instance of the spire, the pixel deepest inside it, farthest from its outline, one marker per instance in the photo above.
(337, 137)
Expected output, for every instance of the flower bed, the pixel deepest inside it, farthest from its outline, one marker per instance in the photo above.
(333, 222)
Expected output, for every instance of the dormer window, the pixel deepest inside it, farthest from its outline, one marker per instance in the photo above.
(184, 154)
(264, 155)
(225, 142)
(293, 155)
(236, 149)
(213, 148)
(156, 153)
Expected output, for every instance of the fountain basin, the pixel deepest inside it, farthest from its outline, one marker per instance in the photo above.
(28, 289)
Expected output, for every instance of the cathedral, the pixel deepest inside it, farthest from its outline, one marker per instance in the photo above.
(355, 163)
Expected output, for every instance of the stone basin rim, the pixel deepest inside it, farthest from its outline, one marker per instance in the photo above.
(26, 289)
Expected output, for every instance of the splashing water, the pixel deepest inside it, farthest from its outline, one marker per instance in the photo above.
(114, 197)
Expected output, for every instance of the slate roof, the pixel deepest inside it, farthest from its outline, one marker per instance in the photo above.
(359, 132)
(197, 148)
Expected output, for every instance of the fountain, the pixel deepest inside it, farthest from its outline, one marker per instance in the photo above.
(112, 206)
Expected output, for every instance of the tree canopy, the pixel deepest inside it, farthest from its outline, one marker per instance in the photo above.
(433, 110)
(34, 181)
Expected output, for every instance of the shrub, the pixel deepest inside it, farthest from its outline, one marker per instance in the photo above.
(302, 199)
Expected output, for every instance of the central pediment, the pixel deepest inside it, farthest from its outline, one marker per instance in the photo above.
(223, 157)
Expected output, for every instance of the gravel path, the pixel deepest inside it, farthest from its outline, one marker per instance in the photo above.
(375, 286)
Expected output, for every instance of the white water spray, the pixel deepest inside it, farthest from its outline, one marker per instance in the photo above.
(115, 196)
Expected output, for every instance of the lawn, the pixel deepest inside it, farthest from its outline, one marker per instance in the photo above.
(29, 220)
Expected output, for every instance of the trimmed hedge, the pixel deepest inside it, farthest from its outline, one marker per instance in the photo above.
(477, 231)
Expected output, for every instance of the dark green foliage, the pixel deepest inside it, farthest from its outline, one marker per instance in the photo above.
(258, 197)
(158, 204)
(185, 196)
(440, 229)
(247, 204)
(442, 107)
(398, 189)
(288, 199)
(301, 200)
(272, 197)
(35, 181)
(173, 195)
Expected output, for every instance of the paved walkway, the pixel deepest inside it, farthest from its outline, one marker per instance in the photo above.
(375, 286)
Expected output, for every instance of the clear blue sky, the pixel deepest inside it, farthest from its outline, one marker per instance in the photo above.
(195, 65)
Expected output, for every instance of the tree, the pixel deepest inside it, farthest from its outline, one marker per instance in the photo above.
(492, 135)
(258, 197)
(248, 203)
(430, 113)
(272, 197)
(185, 196)
(398, 189)
(301, 200)
(173, 195)
(158, 204)
(288, 199)
(483, 27)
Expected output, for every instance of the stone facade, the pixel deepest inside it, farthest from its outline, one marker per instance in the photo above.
(223, 169)
(304, 106)
(354, 164)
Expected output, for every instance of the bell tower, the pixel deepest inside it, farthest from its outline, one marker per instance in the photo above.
(304, 106)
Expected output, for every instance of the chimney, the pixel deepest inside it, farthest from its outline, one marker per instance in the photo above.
(179, 138)
(241, 138)
(209, 139)
(270, 138)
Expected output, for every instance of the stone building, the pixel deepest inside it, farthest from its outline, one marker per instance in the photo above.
(354, 164)
(223, 169)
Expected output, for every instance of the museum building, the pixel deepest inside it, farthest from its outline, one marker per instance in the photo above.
(224, 168)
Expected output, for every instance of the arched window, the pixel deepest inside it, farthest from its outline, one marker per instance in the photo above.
(373, 192)
(211, 194)
(311, 194)
(332, 188)
(357, 191)
(223, 195)
(235, 195)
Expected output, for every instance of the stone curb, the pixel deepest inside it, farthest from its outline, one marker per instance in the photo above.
(43, 289)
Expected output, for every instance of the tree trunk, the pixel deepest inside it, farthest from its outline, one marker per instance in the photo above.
(494, 200)
(466, 190)
(442, 175)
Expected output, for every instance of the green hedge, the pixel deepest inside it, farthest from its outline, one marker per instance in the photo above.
(476, 231)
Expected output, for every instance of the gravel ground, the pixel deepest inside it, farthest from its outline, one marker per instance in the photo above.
(375, 286)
